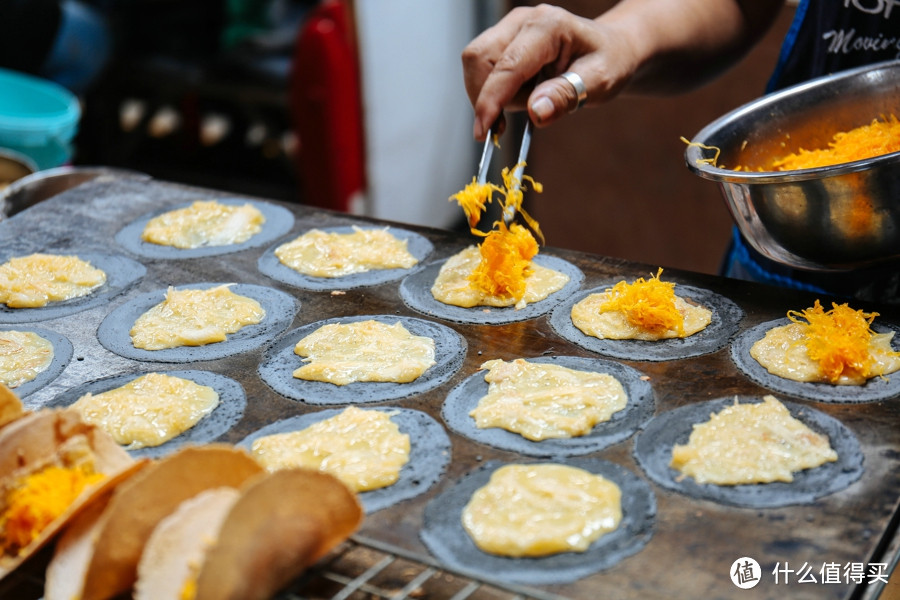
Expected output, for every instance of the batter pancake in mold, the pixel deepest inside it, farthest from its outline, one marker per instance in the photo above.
(429, 452)
(279, 363)
(280, 308)
(62, 354)
(653, 451)
(445, 538)
(415, 290)
(230, 410)
(875, 389)
(121, 273)
(726, 316)
(416, 244)
(279, 221)
(465, 396)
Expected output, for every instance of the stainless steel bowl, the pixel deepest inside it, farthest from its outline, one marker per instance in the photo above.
(833, 218)
(14, 166)
(41, 185)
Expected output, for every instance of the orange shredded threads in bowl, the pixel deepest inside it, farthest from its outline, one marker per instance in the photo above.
(505, 261)
(877, 138)
(838, 339)
(881, 136)
(38, 500)
(648, 304)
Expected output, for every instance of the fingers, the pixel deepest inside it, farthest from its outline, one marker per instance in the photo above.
(500, 63)
(480, 61)
(557, 97)
(552, 100)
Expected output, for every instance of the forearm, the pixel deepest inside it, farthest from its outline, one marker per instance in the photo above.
(680, 44)
(658, 46)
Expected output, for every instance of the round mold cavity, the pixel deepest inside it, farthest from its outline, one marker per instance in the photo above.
(415, 290)
(653, 452)
(726, 318)
(445, 538)
(229, 411)
(280, 308)
(121, 274)
(62, 355)
(417, 245)
(874, 390)
(279, 221)
(429, 452)
(622, 425)
(280, 361)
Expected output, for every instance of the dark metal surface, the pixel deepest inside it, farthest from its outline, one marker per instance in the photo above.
(41, 185)
(695, 541)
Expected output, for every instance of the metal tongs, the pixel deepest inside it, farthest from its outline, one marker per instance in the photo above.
(509, 212)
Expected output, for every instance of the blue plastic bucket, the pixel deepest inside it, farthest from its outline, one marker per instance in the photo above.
(38, 118)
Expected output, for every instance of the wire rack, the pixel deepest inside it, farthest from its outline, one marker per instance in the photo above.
(366, 569)
(358, 569)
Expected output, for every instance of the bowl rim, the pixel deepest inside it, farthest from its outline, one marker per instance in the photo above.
(698, 163)
(23, 159)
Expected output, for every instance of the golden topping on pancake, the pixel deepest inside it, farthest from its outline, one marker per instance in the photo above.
(453, 284)
(23, 356)
(836, 346)
(537, 510)
(751, 443)
(499, 275)
(149, 410)
(505, 263)
(341, 353)
(541, 401)
(647, 309)
(191, 317)
(204, 223)
(37, 280)
(330, 254)
(362, 448)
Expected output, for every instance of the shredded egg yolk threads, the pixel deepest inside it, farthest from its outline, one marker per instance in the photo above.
(647, 303)
(881, 136)
(513, 195)
(506, 251)
(506, 255)
(711, 161)
(473, 199)
(38, 500)
(877, 138)
(838, 339)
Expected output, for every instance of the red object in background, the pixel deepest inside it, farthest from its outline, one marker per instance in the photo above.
(326, 108)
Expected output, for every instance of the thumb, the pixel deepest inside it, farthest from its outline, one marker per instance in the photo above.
(551, 100)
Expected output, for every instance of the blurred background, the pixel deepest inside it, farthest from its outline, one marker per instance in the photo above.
(359, 106)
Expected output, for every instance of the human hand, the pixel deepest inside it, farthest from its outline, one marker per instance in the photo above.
(502, 64)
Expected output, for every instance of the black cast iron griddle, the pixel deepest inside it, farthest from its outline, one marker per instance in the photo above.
(692, 542)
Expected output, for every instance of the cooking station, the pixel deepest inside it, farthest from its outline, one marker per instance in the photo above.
(841, 545)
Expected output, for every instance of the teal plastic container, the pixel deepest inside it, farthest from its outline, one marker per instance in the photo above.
(38, 118)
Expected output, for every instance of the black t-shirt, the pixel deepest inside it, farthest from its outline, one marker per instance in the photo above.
(833, 35)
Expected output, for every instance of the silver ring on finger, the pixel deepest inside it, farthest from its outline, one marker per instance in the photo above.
(580, 89)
